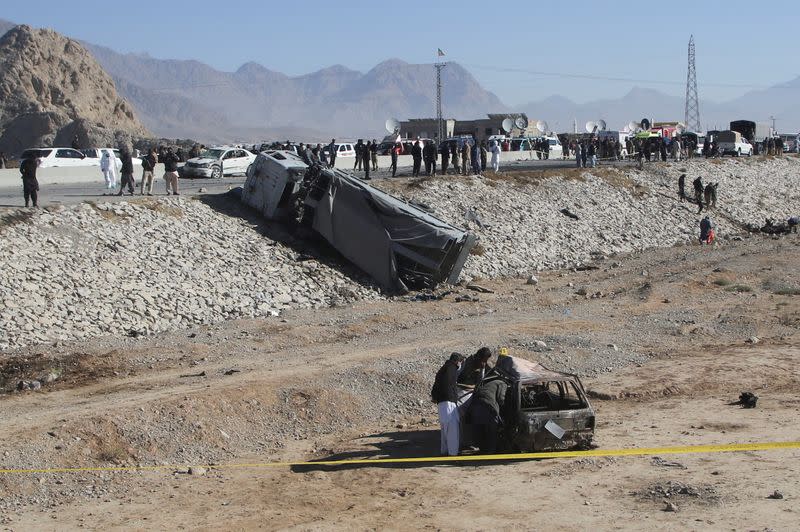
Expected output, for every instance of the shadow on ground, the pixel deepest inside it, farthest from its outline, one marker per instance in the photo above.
(395, 445)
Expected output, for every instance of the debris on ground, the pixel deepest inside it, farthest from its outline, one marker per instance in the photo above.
(569, 214)
(479, 288)
(660, 462)
(746, 400)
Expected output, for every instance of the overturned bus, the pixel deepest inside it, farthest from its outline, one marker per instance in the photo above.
(398, 244)
(544, 410)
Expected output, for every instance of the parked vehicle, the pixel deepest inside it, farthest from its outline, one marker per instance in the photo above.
(732, 143)
(55, 157)
(344, 149)
(531, 143)
(217, 162)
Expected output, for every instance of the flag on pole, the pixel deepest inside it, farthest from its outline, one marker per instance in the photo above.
(440, 53)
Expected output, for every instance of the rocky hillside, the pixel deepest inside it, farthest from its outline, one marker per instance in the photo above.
(52, 88)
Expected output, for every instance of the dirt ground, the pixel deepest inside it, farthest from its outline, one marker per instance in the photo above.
(665, 340)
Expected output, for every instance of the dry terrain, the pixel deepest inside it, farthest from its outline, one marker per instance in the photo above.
(665, 339)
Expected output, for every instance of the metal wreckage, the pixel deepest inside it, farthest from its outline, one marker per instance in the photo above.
(399, 245)
(545, 410)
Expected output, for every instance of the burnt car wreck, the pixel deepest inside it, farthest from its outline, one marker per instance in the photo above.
(544, 410)
(399, 245)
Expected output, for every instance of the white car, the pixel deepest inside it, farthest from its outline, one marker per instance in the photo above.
(55, 157)
(93, 156)
(344, 149)
(218, 162)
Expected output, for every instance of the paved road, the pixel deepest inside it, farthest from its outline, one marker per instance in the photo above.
(77, 192)
(53, 194)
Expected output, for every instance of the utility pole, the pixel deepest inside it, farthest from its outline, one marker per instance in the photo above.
(774, 131)
(439, 122)
(692, 115)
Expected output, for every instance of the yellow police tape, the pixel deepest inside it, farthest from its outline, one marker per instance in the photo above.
(641, 451)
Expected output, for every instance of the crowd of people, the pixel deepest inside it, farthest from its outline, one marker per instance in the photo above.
(459, 156)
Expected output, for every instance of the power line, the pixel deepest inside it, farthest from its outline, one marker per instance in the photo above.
(692, 111)
(622, 79)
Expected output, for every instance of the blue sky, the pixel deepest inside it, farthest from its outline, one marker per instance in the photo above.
(502, 45)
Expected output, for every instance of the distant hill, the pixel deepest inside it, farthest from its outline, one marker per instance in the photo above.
(640, 103)
(185, 96)
(52, 89)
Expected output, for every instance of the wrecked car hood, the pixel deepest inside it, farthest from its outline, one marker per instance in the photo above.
(519, 369)
(202, 160)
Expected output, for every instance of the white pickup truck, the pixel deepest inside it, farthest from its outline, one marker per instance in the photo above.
(732, 143)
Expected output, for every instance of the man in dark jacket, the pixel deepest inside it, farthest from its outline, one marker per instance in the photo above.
(429, 155)
(445, 153)
(445, 395)
(332, 147)
(682, 187)
(30, 185)
(395, 153)
(373, 155)
(149, 162)
(475, 367)
(126, 171)
(485, 412)
(416, 156)
(698, 193)
(359, 148)
(366, 150)
(171, 171)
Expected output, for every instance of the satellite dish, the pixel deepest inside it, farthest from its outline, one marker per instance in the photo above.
(521, 122)
(601, 125)
(541, 125)
(645, 124)
(507, 125)
(680, 128)
(633, 126)
(392, 125)
(591, 127)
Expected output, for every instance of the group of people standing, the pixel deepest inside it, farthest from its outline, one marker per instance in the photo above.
(463, 157)
(110, 165)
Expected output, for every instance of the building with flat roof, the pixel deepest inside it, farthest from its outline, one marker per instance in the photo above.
(481, 128)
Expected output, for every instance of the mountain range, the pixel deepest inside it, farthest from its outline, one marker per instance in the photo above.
(190, 99)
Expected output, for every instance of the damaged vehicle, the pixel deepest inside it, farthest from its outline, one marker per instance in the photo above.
(217, 162)
(399, 245)
(545, 410)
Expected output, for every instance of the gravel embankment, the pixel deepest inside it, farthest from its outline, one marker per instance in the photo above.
(138, 268)
(618, 210)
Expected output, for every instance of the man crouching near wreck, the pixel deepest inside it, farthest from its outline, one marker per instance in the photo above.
(445, 395)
